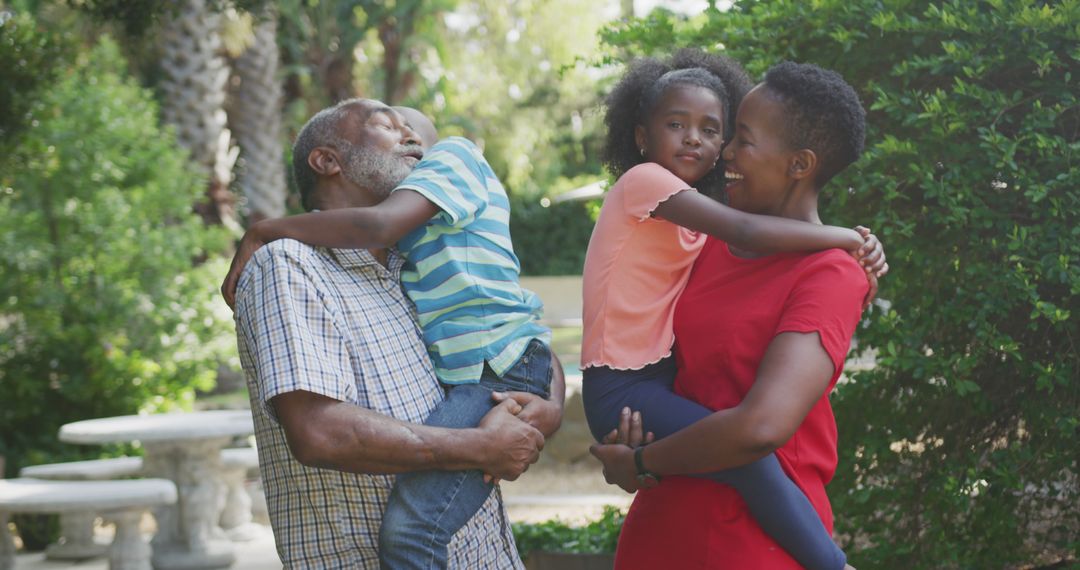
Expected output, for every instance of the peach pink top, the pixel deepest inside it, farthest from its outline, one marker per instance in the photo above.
(635, 269)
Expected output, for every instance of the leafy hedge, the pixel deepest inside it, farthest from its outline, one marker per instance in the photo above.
(598, 536)
(551, 240)
(103, 310)
(959, 450)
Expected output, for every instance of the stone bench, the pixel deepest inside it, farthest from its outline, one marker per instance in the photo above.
(76, 540)
(237, 464)
(122, 503)
(77, 528)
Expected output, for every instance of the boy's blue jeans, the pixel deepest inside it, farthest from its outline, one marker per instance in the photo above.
(426, 508)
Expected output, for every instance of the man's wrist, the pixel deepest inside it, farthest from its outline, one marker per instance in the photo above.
(455, 449)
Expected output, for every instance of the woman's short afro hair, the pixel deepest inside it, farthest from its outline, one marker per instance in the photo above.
(633, 97)
(821, 112)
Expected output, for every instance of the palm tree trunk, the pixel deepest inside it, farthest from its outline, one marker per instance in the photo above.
(193, 88)
(255, 99)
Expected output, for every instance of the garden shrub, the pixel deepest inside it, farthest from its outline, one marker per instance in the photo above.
(959, 450)
(551, 240)
(30, 59)
(103, 308)
(599, 536)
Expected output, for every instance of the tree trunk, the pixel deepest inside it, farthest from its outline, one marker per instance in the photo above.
(193, 87)
(255, 117)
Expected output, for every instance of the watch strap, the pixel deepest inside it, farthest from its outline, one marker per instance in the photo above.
(639, 463)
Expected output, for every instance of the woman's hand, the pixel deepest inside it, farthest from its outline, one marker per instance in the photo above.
(251, 242)
(617, 451)
(871, 257)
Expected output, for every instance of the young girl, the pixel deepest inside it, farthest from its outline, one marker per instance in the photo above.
(666, 125)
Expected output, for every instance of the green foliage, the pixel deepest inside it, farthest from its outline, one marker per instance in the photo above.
(599, 536)
(528, 99)
(30, 59)
(551, 240)
(959, 449)
(101, 310)
(36, 531)
(138, 16)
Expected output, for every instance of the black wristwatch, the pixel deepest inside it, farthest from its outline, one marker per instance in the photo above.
(645, 477)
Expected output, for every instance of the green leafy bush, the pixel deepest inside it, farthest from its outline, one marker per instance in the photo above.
(599, 536)
(551, 240)
(102, 309)
(959, 449)
(30, 59)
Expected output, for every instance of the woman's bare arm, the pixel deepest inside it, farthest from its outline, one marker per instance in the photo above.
(793, 375)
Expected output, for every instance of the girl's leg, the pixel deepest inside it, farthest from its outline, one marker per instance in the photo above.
(779, 506)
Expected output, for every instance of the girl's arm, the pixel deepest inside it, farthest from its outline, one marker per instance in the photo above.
(371, 227)
(755, 232)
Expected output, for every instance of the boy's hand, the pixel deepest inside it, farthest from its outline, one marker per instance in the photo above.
(247, 247)
(871, 257)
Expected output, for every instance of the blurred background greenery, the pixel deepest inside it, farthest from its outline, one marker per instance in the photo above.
(138, 138)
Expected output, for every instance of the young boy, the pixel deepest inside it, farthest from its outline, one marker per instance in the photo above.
(449, 219)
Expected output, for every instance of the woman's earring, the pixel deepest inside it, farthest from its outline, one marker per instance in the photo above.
(642, 153)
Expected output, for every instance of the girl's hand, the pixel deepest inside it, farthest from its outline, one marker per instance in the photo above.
(247, 247)
(871, 257)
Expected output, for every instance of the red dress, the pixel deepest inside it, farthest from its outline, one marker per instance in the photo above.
(725, 319)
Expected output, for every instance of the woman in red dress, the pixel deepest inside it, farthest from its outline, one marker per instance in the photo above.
(760, 338)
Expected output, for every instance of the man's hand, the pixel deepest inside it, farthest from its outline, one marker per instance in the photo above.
(513, 445)
(617, 451)
(871, 257)
(544, 415)
(247, 247)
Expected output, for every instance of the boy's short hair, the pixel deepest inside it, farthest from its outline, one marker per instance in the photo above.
(821, 113)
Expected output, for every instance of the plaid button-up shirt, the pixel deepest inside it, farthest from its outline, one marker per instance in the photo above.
(336, 323)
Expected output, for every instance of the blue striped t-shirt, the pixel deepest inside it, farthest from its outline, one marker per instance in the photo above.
(461, 271)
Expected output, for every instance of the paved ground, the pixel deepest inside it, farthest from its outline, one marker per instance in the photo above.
(258, 554)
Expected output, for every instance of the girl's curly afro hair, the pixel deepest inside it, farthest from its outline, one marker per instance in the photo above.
(646, 79)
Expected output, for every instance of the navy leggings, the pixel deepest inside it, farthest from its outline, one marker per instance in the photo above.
(779, 506)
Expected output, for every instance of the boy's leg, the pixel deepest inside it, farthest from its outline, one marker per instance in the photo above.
(779, 506)
(426, 508)
(531, 373)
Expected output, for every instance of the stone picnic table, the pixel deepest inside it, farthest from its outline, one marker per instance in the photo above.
(185, 448)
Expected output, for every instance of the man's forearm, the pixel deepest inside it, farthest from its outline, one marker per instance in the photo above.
(345, 437)
(328, 433)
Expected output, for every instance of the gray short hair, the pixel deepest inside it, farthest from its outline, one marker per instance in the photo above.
(320, 130)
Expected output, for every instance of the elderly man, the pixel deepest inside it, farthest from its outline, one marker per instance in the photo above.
(338, 375)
